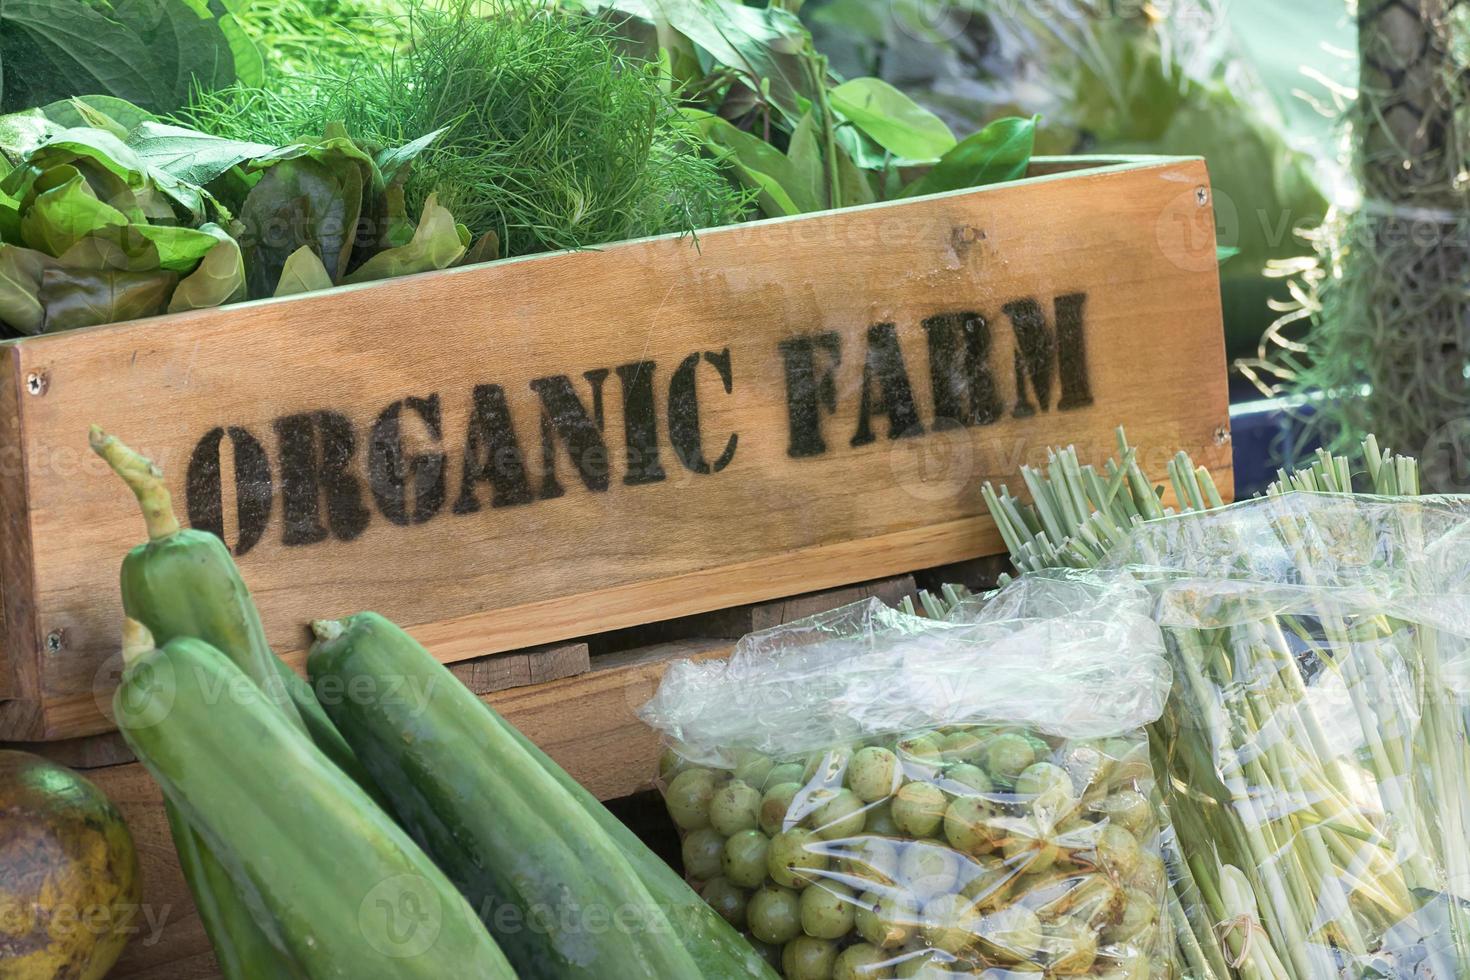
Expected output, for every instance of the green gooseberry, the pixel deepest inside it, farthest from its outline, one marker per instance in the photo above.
(887, 918)
(1129, 809)
(842, 815)
(1011, 934)
(828, 767)
(968, 825)
(808, 958)
(964, 779)
(873, 859)
(1007, 756)
(873, 773)
(950, 923)
(752, 767)
(688, 798)
(928, 869)
(827, 910)
(727, 899)
(735, 807)
(879, 820)
(965, 745)
(795, 858)
(775, 806)
(1047, 790)
(918, 808)
(774, 914)
(1071, 946)
(1118, 852)
(1140, 910)
(670, 763)
(988, 880)
(785, 772)
(701, 851)
(862, 962)
(743, 858)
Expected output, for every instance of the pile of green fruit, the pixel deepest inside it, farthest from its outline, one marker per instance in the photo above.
(966, 851)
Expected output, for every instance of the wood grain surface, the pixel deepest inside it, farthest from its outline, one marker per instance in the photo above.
(857, 440)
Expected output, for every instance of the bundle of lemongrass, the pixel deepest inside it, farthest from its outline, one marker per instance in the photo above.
(1316, 740)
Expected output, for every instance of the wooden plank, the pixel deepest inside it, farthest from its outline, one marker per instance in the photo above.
(89, 752)
(737, 621)
(586, 723)
(1108, 276)
(20, 651)
(518, 668)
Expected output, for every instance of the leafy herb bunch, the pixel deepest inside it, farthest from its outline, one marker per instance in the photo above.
(551, 138)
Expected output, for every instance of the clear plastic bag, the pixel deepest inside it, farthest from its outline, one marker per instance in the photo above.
(1317, 734)
(872, 794)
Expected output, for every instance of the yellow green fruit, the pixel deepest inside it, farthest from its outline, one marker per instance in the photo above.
(69, 886)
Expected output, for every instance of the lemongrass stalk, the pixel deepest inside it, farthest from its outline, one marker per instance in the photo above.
(1254, 959)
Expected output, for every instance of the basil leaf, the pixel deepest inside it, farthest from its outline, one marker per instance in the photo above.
(999, 152)
(893, 120)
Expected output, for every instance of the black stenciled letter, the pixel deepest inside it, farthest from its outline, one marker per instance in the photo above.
(389, 474)
(203, 487)
(895, 396)
(308, 475)
(809, 388)
(964, 388)
(1037, 349)
(640, 423)
(684, 430)
(563, 415)
(492, 454)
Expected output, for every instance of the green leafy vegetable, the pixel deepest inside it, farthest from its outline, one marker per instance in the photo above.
(542, 132)
(999, 152)
(303, 272)
(219, 278)
(151, 53)
(758, 164)
(437, 243)
(893, 120)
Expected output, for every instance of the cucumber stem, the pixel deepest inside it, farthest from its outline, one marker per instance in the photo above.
(136, 641)
(327, 630)
(144, 478)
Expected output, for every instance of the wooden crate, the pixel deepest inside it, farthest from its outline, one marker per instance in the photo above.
(517, 453)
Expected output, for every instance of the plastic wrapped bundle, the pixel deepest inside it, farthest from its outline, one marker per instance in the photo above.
(1317, 733)
(871, 794)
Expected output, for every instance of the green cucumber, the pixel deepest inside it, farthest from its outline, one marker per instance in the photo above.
(333, 882)
(526, 853)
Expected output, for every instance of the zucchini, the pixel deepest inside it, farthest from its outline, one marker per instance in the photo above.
(526, 853)
(335, 884)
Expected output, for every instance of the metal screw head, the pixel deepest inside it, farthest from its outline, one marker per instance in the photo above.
(1202, 196)
(37, 382)
(1222, 435)
(55, 640)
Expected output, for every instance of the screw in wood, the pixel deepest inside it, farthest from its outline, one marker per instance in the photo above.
(55, 640)
(37, 382)
(1202, 196)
